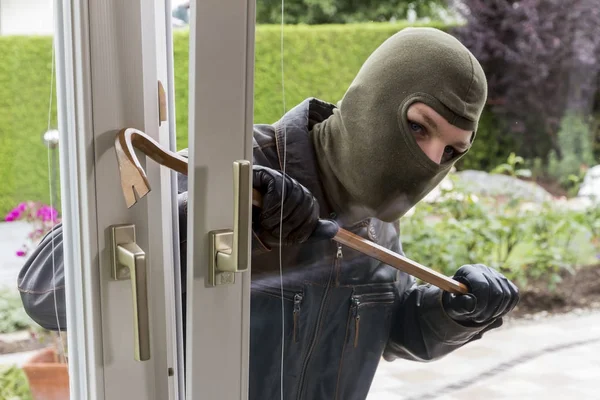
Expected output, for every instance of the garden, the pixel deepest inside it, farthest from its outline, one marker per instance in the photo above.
(525, 200)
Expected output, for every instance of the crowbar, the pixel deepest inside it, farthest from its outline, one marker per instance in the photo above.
(134, 181)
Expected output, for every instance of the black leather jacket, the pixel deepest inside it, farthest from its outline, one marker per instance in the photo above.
(342, 311)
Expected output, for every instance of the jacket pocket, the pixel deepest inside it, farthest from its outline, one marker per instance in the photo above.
(367, 331)
(296, 296)
(278, 330)
(359, 304)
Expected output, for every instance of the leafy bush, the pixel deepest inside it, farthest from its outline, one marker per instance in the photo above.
(511, 167)
(575, 142)
(13, 384)
(25, 76)
(521, 240)
(13, 317)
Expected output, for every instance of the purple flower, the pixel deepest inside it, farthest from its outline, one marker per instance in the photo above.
(21, 253)
(47, 213)
(13, 215)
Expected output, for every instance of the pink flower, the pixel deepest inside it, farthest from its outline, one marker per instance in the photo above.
(21, 253)
(47, 213)
(13, 215)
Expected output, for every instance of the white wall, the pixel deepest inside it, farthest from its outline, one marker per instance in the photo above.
(26, 17)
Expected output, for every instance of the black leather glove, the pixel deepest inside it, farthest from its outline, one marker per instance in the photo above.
(300, 210)
(491, 295)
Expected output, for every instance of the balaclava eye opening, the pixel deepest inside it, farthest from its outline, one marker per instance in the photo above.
(369, 160)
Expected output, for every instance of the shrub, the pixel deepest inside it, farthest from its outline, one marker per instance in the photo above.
(13, 384)
(575, 142)
(25, 76)
(520, 240)
(541, 60)
(13, 317)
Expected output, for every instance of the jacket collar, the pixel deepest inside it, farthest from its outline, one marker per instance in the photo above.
(295, 147)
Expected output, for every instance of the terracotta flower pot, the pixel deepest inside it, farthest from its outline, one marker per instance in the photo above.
(48, 377)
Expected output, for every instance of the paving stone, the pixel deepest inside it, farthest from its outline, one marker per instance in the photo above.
(525, 360)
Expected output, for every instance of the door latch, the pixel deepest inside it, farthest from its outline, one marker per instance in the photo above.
(230, 248)
(128, 261)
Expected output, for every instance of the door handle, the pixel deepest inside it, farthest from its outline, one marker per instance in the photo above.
(230, 248)
(133, 177)
(129, 262)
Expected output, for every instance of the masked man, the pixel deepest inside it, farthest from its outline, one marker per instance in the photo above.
(409, 115)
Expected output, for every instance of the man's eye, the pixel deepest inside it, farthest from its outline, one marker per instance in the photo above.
(449, 150)
(416, 128)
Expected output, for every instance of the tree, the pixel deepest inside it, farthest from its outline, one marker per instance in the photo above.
(542, 62)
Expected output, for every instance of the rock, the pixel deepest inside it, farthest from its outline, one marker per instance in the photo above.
(482, 183)
(574, 204)
(590, 187)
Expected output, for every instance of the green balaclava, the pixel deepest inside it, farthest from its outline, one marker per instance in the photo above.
(369, 160)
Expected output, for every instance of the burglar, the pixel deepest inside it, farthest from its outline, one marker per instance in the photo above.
(409, 115)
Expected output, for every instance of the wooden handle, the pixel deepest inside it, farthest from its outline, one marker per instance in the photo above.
(397, 261)
(133, 177)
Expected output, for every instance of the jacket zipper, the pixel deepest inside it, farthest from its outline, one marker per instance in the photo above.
(297, 304)
(356, 316)
(358, 300)
(338, 257)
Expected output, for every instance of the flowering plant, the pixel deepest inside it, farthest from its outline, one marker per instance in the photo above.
(42, 217)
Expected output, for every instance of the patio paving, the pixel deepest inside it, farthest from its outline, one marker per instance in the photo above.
(552, 358)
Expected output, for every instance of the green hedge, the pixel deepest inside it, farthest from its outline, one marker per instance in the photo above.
(25, 76)
(320, 61)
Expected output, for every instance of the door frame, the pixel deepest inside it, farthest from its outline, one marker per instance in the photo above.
(109, 61)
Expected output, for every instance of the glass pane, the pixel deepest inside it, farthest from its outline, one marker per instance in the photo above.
(522, 201)
(33, 358)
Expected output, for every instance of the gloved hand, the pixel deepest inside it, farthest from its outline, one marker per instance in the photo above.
(300, 210)
(491, 295)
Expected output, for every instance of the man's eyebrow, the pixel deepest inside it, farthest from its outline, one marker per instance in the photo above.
(429, 121)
